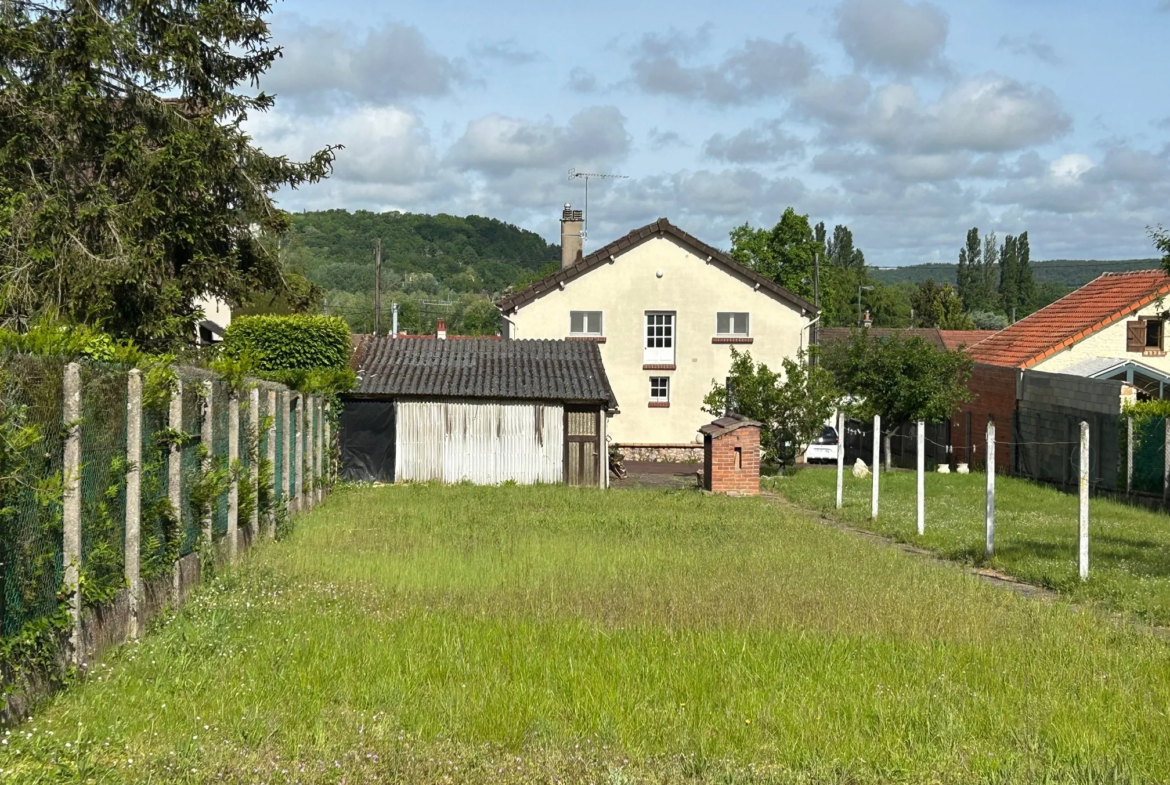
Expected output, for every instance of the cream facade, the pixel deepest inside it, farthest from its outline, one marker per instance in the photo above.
(666, 314)
(1112, 341)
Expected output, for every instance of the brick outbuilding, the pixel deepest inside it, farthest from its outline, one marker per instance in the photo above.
(731, 456)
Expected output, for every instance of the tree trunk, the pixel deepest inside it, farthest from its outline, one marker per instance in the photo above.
(886, 440)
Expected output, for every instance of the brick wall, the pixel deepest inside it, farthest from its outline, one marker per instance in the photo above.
(993, 389)
(727, 472)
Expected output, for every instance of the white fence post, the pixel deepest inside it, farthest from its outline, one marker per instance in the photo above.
(1083, 549)
(990, 547)
(133, 533)
(1166, 463)
(299, 459)
(921, 477)
(877, 456)
(71, 505)
(254, 459)
(286, 450)
(310, 483)
(1129, 454)
(318, 451)
(206, 436)
(840, 455)
(270, 519)
(175, 475)
(233, 522)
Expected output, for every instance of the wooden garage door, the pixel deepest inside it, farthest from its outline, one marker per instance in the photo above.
(582, 446)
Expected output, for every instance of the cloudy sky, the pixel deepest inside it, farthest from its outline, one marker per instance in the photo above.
(908, 121)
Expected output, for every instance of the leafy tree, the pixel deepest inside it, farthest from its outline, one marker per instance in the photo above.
(1009, 276)
(785, 253)
(970, 282)
(840, 251)
(938, 306)
(129, 187)
(988, 320)
(1025, 286)
(900, 379)
(990, 278)
(792, 406)
(1161, 239)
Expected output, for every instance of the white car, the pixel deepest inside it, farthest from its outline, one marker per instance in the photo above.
(824, 447)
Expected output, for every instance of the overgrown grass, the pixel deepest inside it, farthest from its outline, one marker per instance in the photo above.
(1035, 532)
(459, 634)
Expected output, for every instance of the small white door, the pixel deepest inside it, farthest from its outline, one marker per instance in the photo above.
(659, 347)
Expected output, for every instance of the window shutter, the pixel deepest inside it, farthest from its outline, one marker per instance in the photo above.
(1135, 336)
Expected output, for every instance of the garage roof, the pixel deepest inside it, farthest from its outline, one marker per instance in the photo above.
(566, 370)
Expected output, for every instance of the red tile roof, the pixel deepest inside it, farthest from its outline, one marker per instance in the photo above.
(953, 339)
(1096, 305)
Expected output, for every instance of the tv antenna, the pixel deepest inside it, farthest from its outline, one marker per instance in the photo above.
(587, 176)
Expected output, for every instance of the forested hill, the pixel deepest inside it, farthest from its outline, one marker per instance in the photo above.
(1071, 273)
(419, 252)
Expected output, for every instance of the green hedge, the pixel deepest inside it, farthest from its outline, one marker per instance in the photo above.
(282, 343)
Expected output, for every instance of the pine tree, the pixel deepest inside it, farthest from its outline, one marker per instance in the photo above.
(1025, 286)
(1009, 277)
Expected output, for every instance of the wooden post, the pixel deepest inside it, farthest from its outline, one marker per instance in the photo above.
(877, 450)
(254, 458)
(233, 521)
(299, 457)
(71, 506)
(270, 519)
(1129, 454)
(840, 455)
(175, 477)
(206, 436)
(1083, 538)
(133, 535)
(989, 549)
(921, 477)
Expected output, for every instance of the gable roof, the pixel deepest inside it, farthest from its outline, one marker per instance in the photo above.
(942, 339)
(1103, 301)
(661, 227)
(482, 368)
(727, 424)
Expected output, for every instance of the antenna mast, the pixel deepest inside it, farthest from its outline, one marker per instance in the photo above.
(586, 176)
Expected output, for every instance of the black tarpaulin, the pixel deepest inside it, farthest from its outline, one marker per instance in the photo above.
(367, 441)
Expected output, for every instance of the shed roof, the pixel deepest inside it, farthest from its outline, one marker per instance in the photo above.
(1103, 301)
(569, 371)
(727, 425)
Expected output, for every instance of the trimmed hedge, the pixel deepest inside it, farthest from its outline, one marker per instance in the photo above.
(283, 343)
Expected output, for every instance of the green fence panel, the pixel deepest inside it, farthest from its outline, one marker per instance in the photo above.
(220, 401)
(103, 481)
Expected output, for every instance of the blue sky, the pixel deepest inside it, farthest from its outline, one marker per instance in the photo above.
(908, 121)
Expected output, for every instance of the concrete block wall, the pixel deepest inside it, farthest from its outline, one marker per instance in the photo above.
(729, 471)
(1072, 394)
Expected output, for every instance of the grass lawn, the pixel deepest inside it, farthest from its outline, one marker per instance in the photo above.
(1035, 532)
(457, 634)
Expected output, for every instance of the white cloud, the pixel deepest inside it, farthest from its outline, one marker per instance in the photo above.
(1032, 46)
(507, 51)
(893, 35)
(765, 142)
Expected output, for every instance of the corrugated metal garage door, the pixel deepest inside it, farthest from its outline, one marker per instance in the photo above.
(485, 442)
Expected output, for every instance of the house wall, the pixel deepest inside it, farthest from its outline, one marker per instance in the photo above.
(1108, 342)
(483, 442)
(696, 290)
(993, 389)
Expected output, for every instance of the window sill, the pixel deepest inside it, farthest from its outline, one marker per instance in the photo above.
(731, 339)
(1151, 352)
(659, 404)
(591, 338)
(662, 367)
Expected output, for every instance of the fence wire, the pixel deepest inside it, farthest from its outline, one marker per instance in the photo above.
(103, 481)
(221, 417)
(190, 524)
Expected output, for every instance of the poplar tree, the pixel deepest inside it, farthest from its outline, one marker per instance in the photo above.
(1025, 285)
(1009, 276)
(127, 184)
(990, 289)
(970, 275)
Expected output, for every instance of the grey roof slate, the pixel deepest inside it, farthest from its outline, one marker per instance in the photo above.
(482, 368)
(1094, 365)
(727, 425)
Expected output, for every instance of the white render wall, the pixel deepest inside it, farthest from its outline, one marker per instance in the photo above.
(483, 442)
(696, 290)
(1108, 342)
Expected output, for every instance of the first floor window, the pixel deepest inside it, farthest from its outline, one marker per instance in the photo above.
(659, 346)
(731, 324)
(659, 389)
(585, 323)
(1153, 334)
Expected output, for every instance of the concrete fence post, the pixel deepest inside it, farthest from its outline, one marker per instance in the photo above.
(206, 436)
(840, 457)
(254, 458)
(133, 534)
(1083, 528)
(327, 454)
(175, 476)
(286, 450)
(989, 548)
(319, 450)
(1129, 454)
(233, 522)
(270, 518)
(71, 505)
(1166, 463)
(877, 456)
(308, 488)
(921, 459)
(299, 457)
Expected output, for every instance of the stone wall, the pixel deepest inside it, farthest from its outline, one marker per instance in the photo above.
(662, 453)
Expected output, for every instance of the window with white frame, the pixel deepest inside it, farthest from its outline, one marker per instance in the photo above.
(659, 389)
(659, 346)
(585, 323)
(732, 324)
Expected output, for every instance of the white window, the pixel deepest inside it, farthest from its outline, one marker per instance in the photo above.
(585, 323)
(659, 389)
(731, 324)
(659, 347)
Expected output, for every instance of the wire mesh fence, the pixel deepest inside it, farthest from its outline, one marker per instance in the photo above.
(103, 481)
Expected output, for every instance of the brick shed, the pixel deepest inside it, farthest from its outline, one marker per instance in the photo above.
(731, 456)
(993, 391)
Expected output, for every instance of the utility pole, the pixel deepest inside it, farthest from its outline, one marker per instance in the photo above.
(377, 286)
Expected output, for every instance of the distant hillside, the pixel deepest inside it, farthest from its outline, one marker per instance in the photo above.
(419, 252)
(1070, 273)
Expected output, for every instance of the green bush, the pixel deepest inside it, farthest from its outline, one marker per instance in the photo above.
(282, 343)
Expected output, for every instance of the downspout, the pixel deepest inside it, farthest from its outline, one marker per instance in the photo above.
(808, 326)
(506, 335)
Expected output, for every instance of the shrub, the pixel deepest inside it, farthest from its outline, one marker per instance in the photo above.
(282, 343)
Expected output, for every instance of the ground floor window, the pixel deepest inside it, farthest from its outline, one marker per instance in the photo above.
(659, 389)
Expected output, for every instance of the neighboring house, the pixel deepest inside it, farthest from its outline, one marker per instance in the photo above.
(1113, 327)
(665, 309)
(479, 409)
(217, 315)
(943, 339)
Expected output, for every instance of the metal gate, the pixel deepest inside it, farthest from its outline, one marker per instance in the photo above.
(582, 446)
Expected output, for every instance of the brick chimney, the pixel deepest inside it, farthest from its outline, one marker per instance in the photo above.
(868, 321)
(442, 332)
(571, 241)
